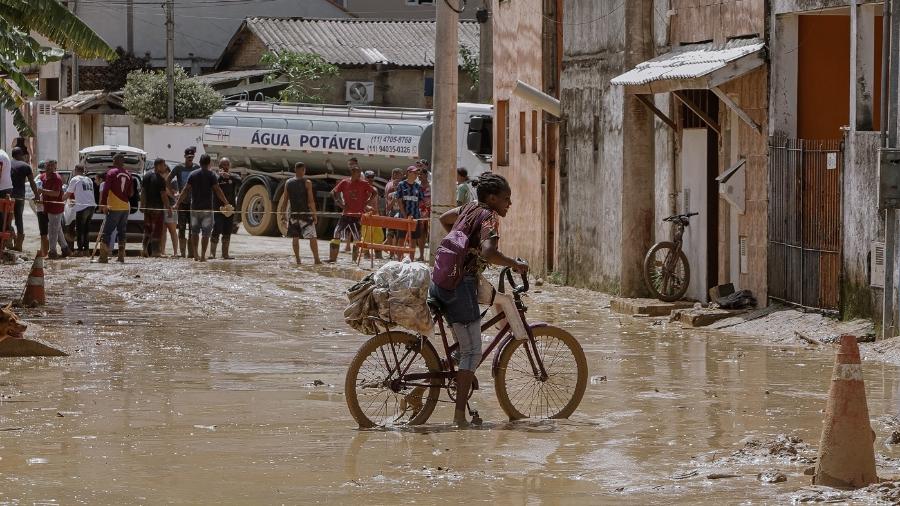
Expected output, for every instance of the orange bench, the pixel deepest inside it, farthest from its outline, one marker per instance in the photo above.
(407, 225)
(7, 208)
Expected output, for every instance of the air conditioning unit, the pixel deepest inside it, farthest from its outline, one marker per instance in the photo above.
(876, 275)
(360, 92)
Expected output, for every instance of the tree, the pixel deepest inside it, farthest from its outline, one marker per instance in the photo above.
(470, 65)
(19, 50)
(304, 74)
(146, 93)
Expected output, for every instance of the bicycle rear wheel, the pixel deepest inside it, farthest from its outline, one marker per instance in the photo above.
(667, 273)
(376, 394)
(520, 390)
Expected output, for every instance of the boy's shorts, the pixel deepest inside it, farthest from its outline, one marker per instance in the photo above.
(202, 221)
(298, 227)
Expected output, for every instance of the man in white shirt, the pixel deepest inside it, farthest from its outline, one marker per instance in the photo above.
(5, 189)
(81, 188)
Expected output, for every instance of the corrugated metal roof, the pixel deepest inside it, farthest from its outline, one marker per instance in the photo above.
(689, 62)
(357, 41)
(230, 75)
(84, 100)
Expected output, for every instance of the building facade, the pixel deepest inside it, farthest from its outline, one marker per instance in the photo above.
(665, 110)
(392, 62)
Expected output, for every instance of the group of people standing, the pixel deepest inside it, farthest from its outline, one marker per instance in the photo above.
(406, 195)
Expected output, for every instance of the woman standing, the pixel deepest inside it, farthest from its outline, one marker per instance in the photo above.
(480, 223)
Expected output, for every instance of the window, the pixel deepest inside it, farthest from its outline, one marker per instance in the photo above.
(503, 132)
(534, 131)
(522, 132)
(115, 135)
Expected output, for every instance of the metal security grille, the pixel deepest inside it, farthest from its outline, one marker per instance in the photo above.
(805, 222)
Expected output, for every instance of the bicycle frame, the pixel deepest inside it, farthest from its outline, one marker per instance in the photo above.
(499, 342)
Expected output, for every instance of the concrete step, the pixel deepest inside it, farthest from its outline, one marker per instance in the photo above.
(703, 317)
(647, 307)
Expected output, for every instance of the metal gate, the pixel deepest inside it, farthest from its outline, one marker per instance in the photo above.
(805, 222)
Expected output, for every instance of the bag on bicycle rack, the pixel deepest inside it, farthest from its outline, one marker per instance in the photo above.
(450, 258)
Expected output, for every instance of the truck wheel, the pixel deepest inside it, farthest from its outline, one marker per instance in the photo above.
(282, 219)
(257, 211)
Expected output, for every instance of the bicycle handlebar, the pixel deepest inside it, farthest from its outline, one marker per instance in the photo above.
(508, 274)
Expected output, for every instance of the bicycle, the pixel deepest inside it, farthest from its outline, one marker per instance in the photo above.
(396, 377)
(667, 272)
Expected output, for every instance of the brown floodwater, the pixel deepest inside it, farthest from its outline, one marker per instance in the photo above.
(223, 383)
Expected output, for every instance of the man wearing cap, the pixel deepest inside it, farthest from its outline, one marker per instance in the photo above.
(352, 195)
(391, 204)
(203, 189)
(115, 201)
(224, 220)
(178, 179)
(409, 193)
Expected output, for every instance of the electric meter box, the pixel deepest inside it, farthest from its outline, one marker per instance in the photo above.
(889, 178)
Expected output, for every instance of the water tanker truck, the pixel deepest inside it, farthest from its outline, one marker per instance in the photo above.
(263, 140)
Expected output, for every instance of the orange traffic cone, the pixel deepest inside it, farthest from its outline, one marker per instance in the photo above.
(34, 287)
(846, 448)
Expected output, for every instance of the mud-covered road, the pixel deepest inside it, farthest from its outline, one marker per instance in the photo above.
(223, 383)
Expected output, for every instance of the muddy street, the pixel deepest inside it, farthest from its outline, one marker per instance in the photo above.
(223, 383)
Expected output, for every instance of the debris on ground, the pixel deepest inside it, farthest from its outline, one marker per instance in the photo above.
(887, 492)
(771, 476)
(782, 448)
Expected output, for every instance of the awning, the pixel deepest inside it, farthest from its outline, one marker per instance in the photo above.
(693, 67)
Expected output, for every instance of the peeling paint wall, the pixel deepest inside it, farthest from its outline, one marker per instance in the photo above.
(518, 49)
(592, 145)
(861, 224)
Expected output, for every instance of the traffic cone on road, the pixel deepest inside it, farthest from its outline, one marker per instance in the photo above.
(846, 448)
(34, 287)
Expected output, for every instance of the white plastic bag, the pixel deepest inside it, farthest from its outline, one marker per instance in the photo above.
(69, 213)
(406, 284)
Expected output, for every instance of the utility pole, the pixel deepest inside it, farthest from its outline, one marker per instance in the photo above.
(637, 155)
(485, 54)
(889, 130)
(129, 27)
(446, 92)
(170, 58)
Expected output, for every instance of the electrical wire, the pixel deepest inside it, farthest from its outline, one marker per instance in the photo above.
(454, 9)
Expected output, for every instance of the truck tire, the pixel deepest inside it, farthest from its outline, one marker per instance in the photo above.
(282, 219)
(257, 211)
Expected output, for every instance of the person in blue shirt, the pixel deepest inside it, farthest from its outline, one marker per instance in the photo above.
(410, 194)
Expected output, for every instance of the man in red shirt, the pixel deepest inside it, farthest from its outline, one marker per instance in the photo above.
(353, 196)
(52, 193)
(115, 202)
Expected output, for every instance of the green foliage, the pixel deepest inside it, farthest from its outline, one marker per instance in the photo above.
(146, 95)
(305, 75)
(470, 65)
(18, 49)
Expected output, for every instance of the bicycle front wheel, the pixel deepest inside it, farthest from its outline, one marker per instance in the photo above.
(521, 391)
(376, 391)
(666, 272)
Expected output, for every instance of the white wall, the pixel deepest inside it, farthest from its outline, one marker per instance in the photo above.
(169, 141)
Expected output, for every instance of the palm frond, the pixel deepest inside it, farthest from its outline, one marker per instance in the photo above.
(13, 101)
(52, 20)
